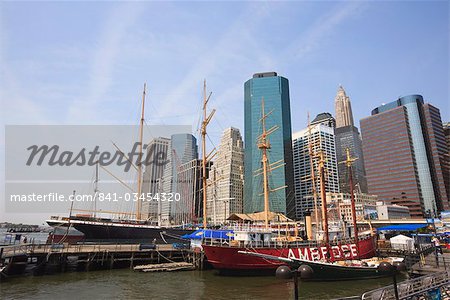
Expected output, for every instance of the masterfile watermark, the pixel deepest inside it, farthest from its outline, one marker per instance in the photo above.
(98, 196)
(55, 156)
(105, 165)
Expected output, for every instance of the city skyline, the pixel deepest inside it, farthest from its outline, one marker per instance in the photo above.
(58, 70)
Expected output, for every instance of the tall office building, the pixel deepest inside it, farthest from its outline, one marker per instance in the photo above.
(447, 133)
(182, 150)
(447, 158)
(226, 178)
(274, 90)
(343, 108)
(157, 151)
(190, 187)
(326, 119)
(404, 149)
(321, 138)
(347, 137)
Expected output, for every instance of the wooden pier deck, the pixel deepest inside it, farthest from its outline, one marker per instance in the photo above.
(53, 258)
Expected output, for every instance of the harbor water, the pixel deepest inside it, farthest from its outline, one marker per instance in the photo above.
(129, 284)
(7, 238)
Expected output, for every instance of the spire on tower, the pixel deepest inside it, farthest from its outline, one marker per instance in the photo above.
(343, 108)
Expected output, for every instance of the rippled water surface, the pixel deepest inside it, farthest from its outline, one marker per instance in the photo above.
(128, 284)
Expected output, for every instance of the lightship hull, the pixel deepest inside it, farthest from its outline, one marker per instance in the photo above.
(227, 258)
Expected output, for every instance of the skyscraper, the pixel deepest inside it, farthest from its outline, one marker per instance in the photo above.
(321, 139)
(274, 90)
(447, 133)
(404, 149)
(226, 180)
(447, 158)
(347, 136)
(182, 150)
(326, 119)
(343, 108)
(157, 148)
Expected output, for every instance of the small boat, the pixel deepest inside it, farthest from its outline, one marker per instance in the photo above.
(326, 271)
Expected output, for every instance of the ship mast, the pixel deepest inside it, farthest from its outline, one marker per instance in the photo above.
(95, 189)
(141, 129)
(264, 144)
(323, 196)
(205, 123)
(349, 161)
(313, 176)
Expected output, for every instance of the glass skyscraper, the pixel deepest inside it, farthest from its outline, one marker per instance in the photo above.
(275, 92)
(404, 150)
(181, 151)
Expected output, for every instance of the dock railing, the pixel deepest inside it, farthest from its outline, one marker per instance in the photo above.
(408, 289)
(277, 244)
(436, 261)
(76, 248)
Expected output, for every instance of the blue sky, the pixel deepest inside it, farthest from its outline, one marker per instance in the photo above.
(86, 62)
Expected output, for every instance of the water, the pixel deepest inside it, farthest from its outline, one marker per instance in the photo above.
(8, 238)
(128, 284)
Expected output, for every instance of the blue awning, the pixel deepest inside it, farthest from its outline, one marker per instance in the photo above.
(208, 233)
(402, 227)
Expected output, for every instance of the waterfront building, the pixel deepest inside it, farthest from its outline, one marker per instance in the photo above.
(274, 90)
(347, 136)
(404, 150)
(226, 180)
(321, 138)
(181, 151)
(157, 152)
(392, 211)
(365, 206)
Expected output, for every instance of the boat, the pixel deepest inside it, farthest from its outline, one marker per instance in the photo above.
(63, 233)
(225, 255)
(130, 229)
(127, 231)
(326, 271)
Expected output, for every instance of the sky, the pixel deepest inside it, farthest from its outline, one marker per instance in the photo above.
(83, 62)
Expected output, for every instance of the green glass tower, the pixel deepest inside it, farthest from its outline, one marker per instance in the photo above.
(275, 92)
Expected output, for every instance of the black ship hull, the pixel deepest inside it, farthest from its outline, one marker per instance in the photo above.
(129, 233)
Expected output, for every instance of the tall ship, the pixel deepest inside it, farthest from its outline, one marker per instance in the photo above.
(226, 254)
(130, 227)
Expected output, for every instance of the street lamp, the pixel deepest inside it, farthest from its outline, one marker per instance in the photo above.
(396, 267)
(285, 272)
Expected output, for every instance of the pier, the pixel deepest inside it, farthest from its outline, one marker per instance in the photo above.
(430, 264)
(54, 258)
